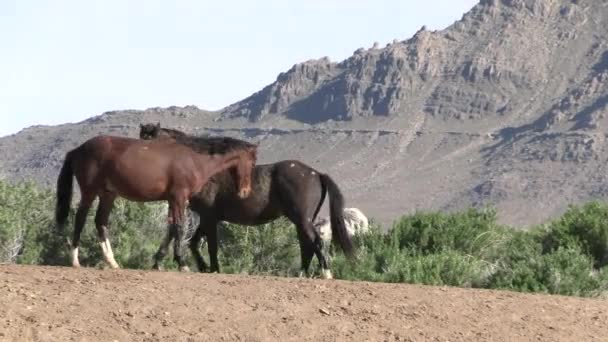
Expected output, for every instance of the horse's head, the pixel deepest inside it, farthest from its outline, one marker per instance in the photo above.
(149, 131)
(244, 169)
(154, 131)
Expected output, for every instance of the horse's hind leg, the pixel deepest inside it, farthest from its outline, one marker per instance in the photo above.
(319, 252)
(306, 253)
(211, 232)
(79, 222)
(102, 216)
(307, 235)
(311, 243)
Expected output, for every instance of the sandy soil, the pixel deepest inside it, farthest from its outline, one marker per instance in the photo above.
(65, 304)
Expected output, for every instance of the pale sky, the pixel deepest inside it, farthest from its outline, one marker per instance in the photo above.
(67, 60)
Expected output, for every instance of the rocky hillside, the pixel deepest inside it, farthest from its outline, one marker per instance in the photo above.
(506, 107)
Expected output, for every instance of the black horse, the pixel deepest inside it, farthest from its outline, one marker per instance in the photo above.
(290, 188)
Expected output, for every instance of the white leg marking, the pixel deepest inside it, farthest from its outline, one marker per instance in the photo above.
(112, 261)
(326, 274)
(108, 255)
(74, 252)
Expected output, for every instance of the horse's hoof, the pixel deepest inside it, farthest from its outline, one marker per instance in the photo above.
(326, 274)
(184, 269)
(157, 268)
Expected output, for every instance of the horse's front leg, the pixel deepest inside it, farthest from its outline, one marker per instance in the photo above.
(178, 244)
(195, 244)
(177, 209)
(163, 248)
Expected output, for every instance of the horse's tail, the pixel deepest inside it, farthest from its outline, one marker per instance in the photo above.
(323, 194)
(64, 190)
(336, 215)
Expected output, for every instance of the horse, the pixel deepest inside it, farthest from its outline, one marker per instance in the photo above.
(286, 188)
(356, 223)
(107, 167)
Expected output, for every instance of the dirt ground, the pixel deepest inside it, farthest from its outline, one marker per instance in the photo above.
(65, 304)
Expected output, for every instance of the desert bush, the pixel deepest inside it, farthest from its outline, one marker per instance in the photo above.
(524, 266)
(270, 249)
(468, 249)
(584, 227)
(26, 211)
(24, 208)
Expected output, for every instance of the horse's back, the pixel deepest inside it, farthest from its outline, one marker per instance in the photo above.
(295, 171)
(125, 158)
(107, 144)
(110, 146)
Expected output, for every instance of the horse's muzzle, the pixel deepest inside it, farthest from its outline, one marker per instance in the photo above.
(244, 192)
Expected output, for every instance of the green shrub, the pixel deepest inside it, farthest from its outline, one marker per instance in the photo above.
(270, 248)
(567, 256)
(381, 258)
(583, 227)
(473, 232)
(24, 209)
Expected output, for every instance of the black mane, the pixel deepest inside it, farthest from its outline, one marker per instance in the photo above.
(213, 145)
(174, 132)
(150, 131)
(202, 144)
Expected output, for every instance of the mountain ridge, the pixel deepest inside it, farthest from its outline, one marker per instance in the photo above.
(506, 107)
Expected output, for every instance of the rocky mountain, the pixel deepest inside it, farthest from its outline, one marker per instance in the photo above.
(506, 107)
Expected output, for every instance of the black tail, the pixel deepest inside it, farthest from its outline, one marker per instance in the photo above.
(64, 190)
(336, 215)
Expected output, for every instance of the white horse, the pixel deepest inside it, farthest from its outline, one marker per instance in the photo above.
(356, 223)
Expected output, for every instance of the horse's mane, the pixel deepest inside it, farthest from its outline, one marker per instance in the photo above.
(174, 132)
(213, 145)
(206, 144)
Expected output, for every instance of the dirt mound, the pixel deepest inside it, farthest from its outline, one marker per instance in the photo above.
(61, 304)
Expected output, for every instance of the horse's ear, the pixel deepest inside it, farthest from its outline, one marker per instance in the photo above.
(158, 124)
(141, 125)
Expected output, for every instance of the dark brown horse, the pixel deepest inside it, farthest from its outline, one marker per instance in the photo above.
(289, 188)
(143, 171)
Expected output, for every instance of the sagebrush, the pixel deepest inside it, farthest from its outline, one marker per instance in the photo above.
(566, 256)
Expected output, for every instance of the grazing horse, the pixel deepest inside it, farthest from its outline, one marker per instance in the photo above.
(289, 188)
(356, 223)
(143, 171)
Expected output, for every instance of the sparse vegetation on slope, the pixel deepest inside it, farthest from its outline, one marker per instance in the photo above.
(468, 249)
(506, 106)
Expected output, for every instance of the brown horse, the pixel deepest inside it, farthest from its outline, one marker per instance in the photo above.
(143, 171)
(287, 188)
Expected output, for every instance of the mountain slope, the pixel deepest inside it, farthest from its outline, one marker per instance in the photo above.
(506, 107)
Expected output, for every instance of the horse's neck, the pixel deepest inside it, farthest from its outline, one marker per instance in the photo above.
(218, 162)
